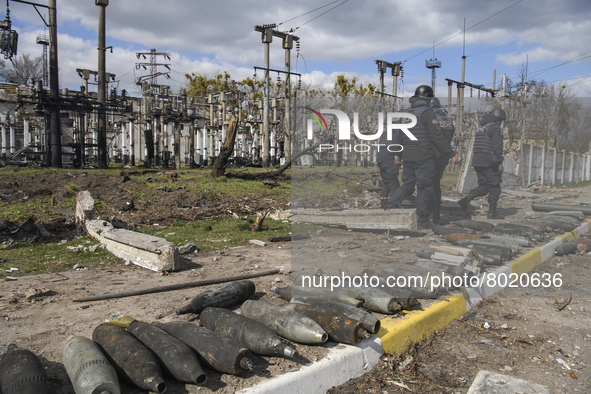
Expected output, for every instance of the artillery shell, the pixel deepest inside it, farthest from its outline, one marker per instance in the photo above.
(338, 295)
(220, 352)
(370, 322)
(176, 358)
(88, 368)
(223, 296)
(254, 335)
(338, 326)
(566, 248)
(287, 323)
(21, 372)
(132, 360)
(474, 224)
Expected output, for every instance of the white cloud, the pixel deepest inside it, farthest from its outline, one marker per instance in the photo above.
(207, 37)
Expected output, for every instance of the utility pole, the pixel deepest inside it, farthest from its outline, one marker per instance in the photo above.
(287, 132)
(267, 38)
(55, 122)
(397, 70)
(267, 34)
(102, 87)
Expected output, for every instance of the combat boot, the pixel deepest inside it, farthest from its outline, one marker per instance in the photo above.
(425, 225)
(492, 213)
(465, 204)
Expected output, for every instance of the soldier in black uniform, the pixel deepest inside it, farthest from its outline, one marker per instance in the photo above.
(389, 168)
(487, 160)
(447, 128)
(419, 156)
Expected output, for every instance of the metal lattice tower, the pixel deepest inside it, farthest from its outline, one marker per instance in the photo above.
(433, 64)
(43, 39)
(153, 65)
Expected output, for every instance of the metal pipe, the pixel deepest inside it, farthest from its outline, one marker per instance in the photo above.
(177, 286)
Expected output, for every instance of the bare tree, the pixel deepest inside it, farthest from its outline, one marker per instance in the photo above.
(24, 70)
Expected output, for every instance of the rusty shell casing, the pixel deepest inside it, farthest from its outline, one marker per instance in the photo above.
(88, 368)
(286, 323)
(176, 358)
(220, 352)
(223, 296)
(370, 322)
(132, 360)
(566, 248)
(339, 327)
(257, 337)
(337, 295)
(21, 372)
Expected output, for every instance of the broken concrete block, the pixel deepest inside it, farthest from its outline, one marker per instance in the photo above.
(84, 207)
(359, 218)
(148, 251)
(487, 382)
(445, 258)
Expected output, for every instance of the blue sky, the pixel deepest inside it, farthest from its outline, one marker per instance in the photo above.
(206, 37)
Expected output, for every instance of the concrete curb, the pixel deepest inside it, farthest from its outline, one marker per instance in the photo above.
(345, 362)
(342, 363)
(398, 334)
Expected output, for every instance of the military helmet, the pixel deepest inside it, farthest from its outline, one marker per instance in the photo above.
(424, 91)
(435, 103)
(499, 113)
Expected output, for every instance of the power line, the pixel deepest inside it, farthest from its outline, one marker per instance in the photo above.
(324, 13)
(309, 12)
(531, 35)
(465, 30)
(574, 59)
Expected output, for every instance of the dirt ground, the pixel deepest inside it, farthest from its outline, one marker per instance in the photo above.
(535, 337)
(532, 335)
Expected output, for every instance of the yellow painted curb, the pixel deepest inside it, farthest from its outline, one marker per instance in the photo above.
(397, 334)
(527, 262)
(569, 237)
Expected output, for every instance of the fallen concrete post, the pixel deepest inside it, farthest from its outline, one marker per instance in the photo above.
(148, 251)
(376, 219)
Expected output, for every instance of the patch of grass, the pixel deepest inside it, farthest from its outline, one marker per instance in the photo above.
(224, 233)
(72, 188)
(24, 210)
(32, 259)
(450, 179)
